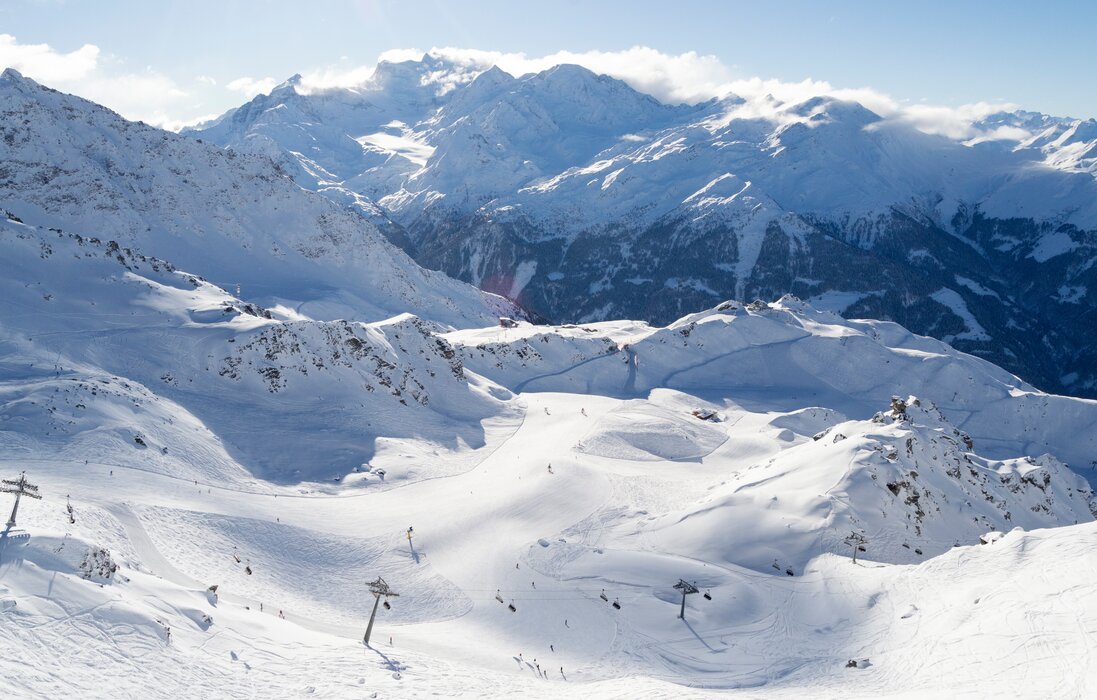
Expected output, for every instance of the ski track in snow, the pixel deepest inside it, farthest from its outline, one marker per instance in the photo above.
(788, 634)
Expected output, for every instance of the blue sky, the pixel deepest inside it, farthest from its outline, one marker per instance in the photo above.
(168, 61)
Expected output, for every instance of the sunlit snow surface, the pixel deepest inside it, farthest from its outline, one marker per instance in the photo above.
(735, 448)
(279, 441)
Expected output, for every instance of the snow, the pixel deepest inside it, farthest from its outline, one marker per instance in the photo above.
(952, 299)
(976, 287)
(641, 492)
(236, 217)
(1053, 245)
(837, 301)
(402, 145)
(1072, 294)
(535, 141)
(596, 522)
(281, 444)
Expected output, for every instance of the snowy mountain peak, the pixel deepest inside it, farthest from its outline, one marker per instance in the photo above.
(289, 83)
(10, 75)
(830, 109)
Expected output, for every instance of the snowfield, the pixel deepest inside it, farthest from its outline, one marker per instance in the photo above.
(225, 467)
(1013, 617)
(202, 440)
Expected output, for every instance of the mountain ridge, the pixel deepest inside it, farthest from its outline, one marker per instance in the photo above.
(663, 209)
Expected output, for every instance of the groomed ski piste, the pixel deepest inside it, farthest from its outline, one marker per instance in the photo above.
(1013, 617)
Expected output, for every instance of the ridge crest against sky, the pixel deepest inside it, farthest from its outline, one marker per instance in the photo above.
(173, 63)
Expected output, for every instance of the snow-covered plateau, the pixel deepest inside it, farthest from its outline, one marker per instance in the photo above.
(246, 411)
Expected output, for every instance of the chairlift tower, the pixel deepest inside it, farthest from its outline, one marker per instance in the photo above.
(687, 588)
(20, 487)
(857, 541)
(378, 588)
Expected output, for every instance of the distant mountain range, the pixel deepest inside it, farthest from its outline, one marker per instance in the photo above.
(584, 200)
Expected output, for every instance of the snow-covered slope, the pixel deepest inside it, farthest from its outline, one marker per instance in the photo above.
(785, 356)
(543, 466)
(588, 200)
(108, 352)
(549, 542)
(235, 219)
(532, 493)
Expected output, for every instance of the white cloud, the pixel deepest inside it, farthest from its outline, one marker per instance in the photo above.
(146, 95)
(687, 77)
(41, 62)
(251, 87)
(673, 78)
(337, 77)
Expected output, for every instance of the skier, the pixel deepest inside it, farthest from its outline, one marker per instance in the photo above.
(552, 648)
